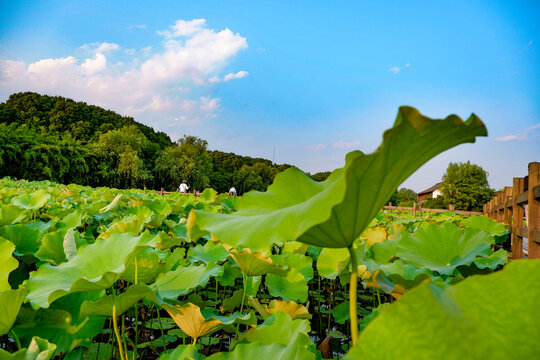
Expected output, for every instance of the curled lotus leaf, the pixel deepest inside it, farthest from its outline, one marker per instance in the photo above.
(10, 214)
(255, 263)
(294, 310)
(122, 302)
(9, 263)
(333, 213)
(32, 201)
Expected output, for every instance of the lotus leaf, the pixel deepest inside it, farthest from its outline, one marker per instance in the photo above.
(182, 280)
(113, 205)
(32, 201)
(209, 252)
(293, 287)
(300, 262)
(231, 272)
(499, 257)
(182, 352)
(234, 301)
(291, 351)
(147, 269)
(443, 247)
(27, 239)
(341, 312)
(175, 259)
(294, 310)
(374, 235)
(96, 267)
(61, 323)
(73, 219)
(52, 247)
(39, 349)
(482, 317)
(9, 263)
(331, 262)
(254, 264)
(333, 213)
(11, 301)
(10, 214)
(133, 223)
(123, 302)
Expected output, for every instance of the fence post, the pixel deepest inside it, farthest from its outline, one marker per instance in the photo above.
(390, 204)
(517, 218)
(162, 191)
(533, 207)
(414, 209)
(419, 209)
(451, 207)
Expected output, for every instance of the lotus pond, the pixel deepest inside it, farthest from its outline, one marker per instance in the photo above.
(305, 270)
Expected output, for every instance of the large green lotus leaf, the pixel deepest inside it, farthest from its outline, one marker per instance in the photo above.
(279, 328)
(208, 196)
(384, 251)
(293, 287)
(39, 349)
(331, 262)
(499, 257)
(291, 351)
(61, 323)
(96, 267)
(10, 303)
(32, 201)
(491, 316)
(484, 223)
(9, 263)
(175, 259)
(209, 252)
(123, 302)
(333, 213)
(52, 246)
(160, 209)
(443, 247)
(10, 214)
(182, 352)
(132, 223)
(73, 219)
(184, 279)
(148, 267)
(26, 238)
(302, 263)
(231, 272)
(395, 278)
(255, 263)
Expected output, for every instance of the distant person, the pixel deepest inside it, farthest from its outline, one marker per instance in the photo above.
(183, 188)
(232, 191)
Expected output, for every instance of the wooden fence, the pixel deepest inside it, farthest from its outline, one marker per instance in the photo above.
(517, 206)
(163, 192)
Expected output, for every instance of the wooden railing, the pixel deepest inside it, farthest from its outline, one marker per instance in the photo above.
(163, 192)
(516, 206)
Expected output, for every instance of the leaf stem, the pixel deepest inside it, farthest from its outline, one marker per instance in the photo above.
(16, 338)
(244, 281)
(115, 325)
(162, 334)
(353, 295)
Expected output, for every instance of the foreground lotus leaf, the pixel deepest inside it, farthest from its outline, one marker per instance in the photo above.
(11, 301)
(39, 349)
(443, 247)
(291, 351)
(255, 263)
(333, 213)
(26, 238)
(33, 200)
(491, 316)
(96, 267)
(9, 263)
(123, 302)
(484, 223)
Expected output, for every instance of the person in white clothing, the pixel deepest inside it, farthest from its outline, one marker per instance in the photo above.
(183, 188)
(232, 191)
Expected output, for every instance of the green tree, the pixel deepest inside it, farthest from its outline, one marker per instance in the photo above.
(189, 160)
(465, 185)
(406, 197)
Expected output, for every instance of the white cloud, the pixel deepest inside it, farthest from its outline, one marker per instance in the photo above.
(395, 69)
(408, 64)
(528, 134)
(137, 86)
(315, 148)
(184, 28)
(345, 145)
(140, 27)
(239, 75)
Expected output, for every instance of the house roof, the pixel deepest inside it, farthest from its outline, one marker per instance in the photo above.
(430, 190)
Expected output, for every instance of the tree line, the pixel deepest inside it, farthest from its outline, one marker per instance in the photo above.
(54, 138)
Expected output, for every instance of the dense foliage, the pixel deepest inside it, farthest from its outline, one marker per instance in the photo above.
(54, 138)
(464, 185)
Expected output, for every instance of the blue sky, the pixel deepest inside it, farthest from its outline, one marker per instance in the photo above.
(313, 79)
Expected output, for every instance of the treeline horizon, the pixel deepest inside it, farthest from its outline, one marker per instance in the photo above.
(54, 138)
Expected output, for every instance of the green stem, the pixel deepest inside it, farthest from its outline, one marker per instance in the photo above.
(378, 297)
(16, 338)
(162, 334)
(353, 295)
(136, 316)
(244, 281)
(115, 325)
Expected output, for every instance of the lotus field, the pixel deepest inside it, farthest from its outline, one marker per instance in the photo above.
(305, 270)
